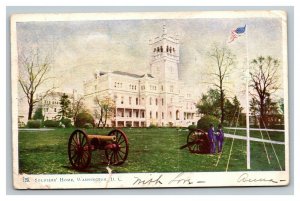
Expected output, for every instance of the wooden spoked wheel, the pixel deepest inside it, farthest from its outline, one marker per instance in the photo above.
(79, 150)
(118, 154)
(198, 142)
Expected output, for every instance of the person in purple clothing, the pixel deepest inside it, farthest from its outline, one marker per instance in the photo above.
(211, 137)
(220, 138)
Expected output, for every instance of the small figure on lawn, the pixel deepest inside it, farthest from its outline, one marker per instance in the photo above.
(211, 137)
(220, 138)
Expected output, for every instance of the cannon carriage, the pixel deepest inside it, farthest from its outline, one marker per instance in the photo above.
(80, 147)
(197, 142)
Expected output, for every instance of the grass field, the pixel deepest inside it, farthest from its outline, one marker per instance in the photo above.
(150, 150)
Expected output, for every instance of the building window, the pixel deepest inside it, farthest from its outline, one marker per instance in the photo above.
(130, 114)
(156, 101)
(156, 115)
(129, 100)
(162, 101)
(143, 114)
(137, 113)
(122, 100)
(150, 114)
(162, 87)
(136, 101)
(54, 109)
(162, 115)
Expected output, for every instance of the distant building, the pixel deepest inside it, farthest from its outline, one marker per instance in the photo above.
(50, 104)
(158, 97)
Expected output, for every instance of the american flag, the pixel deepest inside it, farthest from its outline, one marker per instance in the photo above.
(235, 33)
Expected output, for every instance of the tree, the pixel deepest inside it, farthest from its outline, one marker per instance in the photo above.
(38, 114)
(77, 106)
(264, 82)
(105, 109)
(32, 75)
(64, 106)
(208, 104)
(281, 106)
(232, 110)
(222, 61)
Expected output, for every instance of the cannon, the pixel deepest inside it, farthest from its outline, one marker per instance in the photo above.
(197, 142)
(81, 145)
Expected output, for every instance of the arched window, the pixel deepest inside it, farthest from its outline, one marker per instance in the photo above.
(161, 49)
(177, 115)
(167, 48)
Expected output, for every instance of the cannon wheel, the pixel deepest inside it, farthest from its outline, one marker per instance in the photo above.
(198, 142)
(118, 155)
(79, 150)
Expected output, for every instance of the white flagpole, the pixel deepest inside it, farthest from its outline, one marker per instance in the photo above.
(247, 105)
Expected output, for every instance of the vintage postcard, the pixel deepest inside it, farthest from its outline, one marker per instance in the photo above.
(158, 99)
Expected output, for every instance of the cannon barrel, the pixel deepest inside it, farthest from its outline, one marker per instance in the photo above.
(102, 137)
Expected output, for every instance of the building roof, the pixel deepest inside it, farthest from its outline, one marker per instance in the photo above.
(132, 75)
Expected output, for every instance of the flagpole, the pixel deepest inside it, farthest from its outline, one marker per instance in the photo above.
(247, 105)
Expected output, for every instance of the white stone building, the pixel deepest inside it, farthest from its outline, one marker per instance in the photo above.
(50, 104)
(158, 97)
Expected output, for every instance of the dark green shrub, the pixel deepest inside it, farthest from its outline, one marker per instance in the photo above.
(152, 126)
(128, 124)
(192, 127)
(66, 122)
(51, 124)
(34, 123)
(205, 121)
(84, 118)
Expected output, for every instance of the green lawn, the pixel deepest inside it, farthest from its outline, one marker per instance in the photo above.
(150, 150)
(277, 136)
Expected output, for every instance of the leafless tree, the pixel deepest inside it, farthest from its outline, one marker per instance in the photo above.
(77, 106)
(222, 60)
(105, 109)
(33, 73)
(264, 82)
